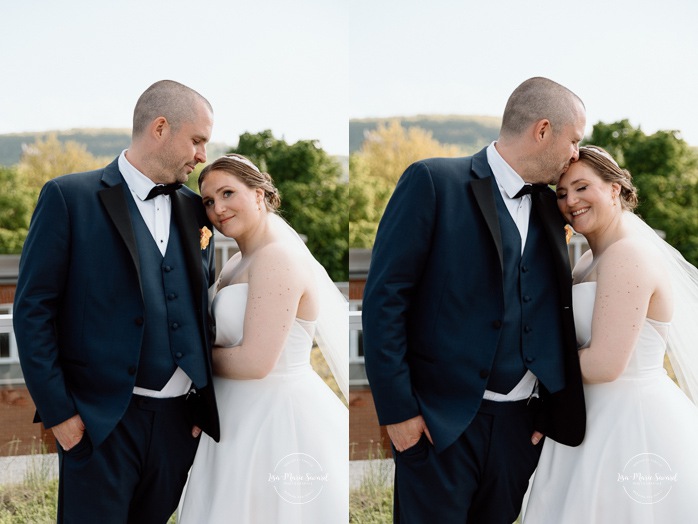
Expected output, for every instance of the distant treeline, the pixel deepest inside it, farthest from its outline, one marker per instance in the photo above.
(99, 142)
(471, 133)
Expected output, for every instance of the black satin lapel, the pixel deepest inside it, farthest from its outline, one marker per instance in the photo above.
(114, 202)
(555, 229)
(482, 189)
(188, 227)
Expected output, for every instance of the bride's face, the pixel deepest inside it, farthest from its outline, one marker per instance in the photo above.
(231, 206)
(586, 200)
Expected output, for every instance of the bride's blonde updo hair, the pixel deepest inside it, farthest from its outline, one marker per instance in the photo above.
(608, 169)
(249, 174)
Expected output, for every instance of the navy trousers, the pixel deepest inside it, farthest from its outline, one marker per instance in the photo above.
(137, 475)
(480, 479)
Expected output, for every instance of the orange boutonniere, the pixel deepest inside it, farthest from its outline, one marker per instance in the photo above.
(568, 233)
(205, 236)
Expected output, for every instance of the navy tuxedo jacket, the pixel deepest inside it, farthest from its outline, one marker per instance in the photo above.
(434, 296)
(79, 311)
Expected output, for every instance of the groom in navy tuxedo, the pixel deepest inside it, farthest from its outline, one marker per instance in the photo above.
(111, 318)
(467, 321)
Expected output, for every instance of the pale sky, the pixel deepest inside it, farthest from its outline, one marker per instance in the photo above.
(634, 59)
(303, 68)
(263, 64)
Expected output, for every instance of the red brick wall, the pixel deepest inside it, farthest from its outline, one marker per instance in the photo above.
(366, 438)
(7, 293)
(356, 289)
(18, 434)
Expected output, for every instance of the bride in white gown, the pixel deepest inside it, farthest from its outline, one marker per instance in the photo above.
(283, 453)
(639, 460)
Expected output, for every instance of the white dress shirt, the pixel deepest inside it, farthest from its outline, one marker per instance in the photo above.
(509, 183)
(156, 214)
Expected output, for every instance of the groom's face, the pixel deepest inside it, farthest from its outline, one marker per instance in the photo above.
(185, 147)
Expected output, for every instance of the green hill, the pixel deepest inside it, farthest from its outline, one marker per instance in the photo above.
(102, 143)
(99, 142)
(471, 133)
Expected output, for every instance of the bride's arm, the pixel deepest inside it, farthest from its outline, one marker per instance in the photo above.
(276, 285)
(625, 285)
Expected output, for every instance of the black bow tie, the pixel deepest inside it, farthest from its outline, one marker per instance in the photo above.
(527, 189)
(161, 189)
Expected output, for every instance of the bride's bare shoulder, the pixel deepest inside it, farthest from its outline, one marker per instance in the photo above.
(282, 257)
(633, 258)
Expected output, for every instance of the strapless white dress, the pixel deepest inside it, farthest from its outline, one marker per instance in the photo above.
(639, 460)
(283, 454)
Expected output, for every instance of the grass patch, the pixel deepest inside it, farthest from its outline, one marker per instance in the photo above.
(372, 501)
(34, 500)
(29, 503)
(372, 506)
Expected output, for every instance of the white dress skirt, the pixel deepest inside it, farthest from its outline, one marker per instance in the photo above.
(283, 454)
(638, 462)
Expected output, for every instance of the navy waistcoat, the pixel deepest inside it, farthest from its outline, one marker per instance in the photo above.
(172, 335)
(531, 332)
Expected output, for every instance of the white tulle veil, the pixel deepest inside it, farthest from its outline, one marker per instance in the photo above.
(683, 333)
(332, 326)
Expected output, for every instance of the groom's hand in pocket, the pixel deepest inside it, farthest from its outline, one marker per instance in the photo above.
(536, 437)
(406, 434)
(69, 432)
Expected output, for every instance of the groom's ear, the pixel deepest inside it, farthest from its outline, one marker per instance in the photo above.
(542, 130)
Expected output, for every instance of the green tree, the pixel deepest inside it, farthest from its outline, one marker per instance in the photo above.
(313, 198)
(16, 204)
(375, 169)
(48, 158)
(20, 186)
(665, 171)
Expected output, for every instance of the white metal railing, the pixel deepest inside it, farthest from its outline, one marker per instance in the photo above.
(357, 373)
(10, 356)
(355, 321)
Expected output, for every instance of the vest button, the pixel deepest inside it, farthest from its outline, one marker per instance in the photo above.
(484, 373)
(524, 269)
(528, 329)
(178, 355)
(171, 296)
(497, 324)
(526, 298)
(139, 321)
(175, 325)
(167, 269)
(529, 360)
(132, 370)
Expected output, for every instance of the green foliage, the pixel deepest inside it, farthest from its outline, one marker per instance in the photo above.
(368, 197)
(313, 199)
(29, 504)
(49, 158)
(665, 172)
(16, 204)
(20, 185)
(386, 152)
